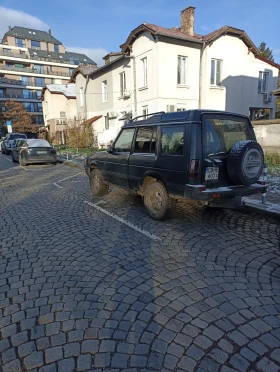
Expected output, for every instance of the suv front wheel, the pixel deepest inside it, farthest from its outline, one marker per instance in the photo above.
(157, 201)
(97, 185)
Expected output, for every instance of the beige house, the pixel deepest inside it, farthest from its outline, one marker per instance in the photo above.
(174, 69)
(59, 107)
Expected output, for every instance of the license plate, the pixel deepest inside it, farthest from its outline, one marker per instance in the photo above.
(42, 152)
(211, 173)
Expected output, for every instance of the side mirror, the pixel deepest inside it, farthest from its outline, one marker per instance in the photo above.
(111, 150)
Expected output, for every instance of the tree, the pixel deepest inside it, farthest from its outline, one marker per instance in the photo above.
(266, 52)
(20, 118)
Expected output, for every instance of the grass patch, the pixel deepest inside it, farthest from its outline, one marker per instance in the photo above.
(272, 158)
(72, 150)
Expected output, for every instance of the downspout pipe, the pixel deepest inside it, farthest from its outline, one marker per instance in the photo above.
(85, 111)
(200, 74)
(134, 84)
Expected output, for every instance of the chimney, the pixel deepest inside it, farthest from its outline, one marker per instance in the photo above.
(50, 32)
(10, 28)
(187, 20)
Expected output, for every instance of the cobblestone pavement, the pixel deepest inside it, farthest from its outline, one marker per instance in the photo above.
(95, 284)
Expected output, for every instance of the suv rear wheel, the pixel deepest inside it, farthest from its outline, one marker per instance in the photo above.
(157, 201)
(245, 162)
(97, 185)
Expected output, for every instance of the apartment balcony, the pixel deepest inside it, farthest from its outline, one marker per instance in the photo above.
(10, 82)
(35, 58)
(28, 70)
(19, 97)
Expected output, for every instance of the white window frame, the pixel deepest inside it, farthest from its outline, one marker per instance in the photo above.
(214, 78)
(104, 91)
(143, 73)
(82, 98)
(182, 70)
(263, 79)
(122, 84)
(145, 112)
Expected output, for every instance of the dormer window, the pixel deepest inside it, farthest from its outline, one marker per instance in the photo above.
(35, 44)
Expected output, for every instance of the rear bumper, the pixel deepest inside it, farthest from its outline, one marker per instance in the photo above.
(41, 159)
(193, 192)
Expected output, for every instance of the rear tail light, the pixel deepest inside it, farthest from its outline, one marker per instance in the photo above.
(194, 168)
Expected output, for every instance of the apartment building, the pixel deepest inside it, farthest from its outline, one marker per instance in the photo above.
(31, 59)
(174, 69)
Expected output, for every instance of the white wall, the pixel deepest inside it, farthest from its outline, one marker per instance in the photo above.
(240, 72)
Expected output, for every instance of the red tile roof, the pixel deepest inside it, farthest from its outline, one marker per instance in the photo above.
(173, 32)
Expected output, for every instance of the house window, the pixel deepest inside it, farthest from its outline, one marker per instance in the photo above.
(1, 93)
(82, 98)
(262, 86)
(71, 71)
(47, 47)
(39, 68)
(26, 93)
(39, 107)
(20, 43)
(106, 122)
(122, 83)
(29, 106)
(35, 44)
(62, 114)
(5, 50)
(144, 111)
(215, 72)
(182, 70)
(38, 94)
(143, 76)
(56, 48)
(104, 91)
(39, 82)
(24, 80)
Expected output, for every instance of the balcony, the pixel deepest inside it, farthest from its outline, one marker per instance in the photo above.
(28, 70)
(36, 58)
(16, 82)
(31, 96)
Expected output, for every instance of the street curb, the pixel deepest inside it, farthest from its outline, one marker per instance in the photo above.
(70, 163)
(262, 209)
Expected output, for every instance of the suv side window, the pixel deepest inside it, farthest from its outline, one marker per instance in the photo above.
(124, 141)
(172, 140)
(145, 140)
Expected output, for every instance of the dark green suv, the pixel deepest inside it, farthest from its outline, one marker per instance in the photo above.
(208, 156)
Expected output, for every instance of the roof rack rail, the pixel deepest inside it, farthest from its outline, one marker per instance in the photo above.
(141, 116)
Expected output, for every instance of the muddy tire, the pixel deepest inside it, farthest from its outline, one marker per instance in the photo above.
(158, 203)
(245, 163)
(97, 185)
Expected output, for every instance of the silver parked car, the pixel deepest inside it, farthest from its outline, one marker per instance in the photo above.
(33, 151)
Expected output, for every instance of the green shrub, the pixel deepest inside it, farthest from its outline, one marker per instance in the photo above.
(272, 158)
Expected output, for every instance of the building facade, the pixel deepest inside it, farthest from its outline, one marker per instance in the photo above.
(161, 69)
(30, 59)
(59, 107)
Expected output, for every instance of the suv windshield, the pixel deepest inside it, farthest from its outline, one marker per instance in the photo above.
(223, 133)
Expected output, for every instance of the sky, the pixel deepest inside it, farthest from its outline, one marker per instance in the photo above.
(97, 27)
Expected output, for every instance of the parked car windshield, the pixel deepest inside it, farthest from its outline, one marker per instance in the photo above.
(223, 133)
(37, 143)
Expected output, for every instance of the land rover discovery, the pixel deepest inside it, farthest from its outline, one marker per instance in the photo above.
(211, 157)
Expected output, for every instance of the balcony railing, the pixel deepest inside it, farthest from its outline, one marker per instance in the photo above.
(16, 55)
(34, 57)
(34, 71)
(16, 82)
(19, 96)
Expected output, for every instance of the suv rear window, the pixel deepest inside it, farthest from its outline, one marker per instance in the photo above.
(14, 136)
(223, 133)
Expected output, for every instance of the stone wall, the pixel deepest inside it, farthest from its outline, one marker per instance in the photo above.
(268, 134)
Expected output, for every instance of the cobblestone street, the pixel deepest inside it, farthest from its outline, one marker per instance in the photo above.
(95, 284)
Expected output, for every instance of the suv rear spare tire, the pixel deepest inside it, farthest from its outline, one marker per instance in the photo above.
(97, 185)
(157, 201)
(245, 162)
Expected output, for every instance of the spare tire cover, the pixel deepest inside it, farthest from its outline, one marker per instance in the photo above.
(245, 162)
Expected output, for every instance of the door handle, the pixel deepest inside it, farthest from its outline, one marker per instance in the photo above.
(148, 162)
